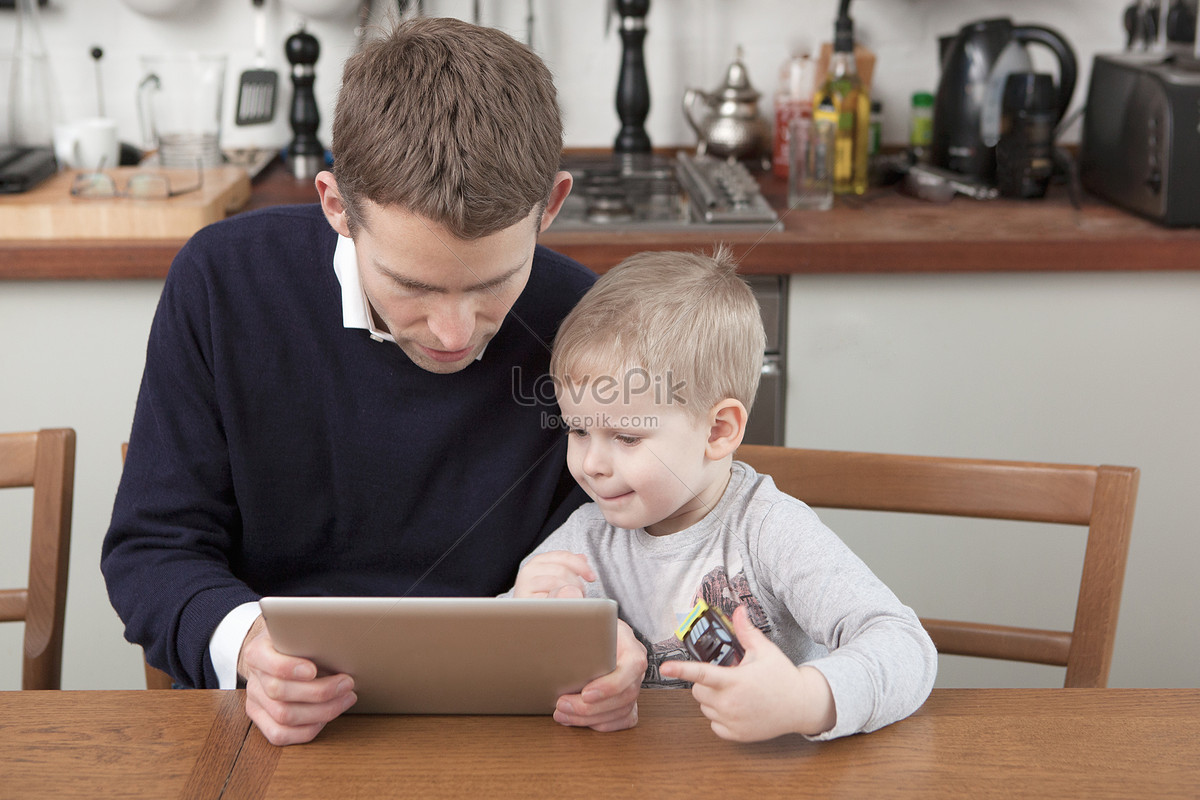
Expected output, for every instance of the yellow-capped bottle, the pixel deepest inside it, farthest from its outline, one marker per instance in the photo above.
(843, 90)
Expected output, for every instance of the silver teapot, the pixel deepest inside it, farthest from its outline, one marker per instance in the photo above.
(731, 126)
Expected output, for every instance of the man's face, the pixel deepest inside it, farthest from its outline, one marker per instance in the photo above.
(441, 298)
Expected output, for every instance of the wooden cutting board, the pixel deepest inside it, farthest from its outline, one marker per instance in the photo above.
(50, 212)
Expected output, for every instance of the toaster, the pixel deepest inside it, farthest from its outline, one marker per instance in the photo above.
(1140, 146)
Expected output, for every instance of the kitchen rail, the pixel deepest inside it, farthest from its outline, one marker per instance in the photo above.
(882, 232)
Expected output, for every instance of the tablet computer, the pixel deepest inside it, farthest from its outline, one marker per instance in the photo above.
(450, 655)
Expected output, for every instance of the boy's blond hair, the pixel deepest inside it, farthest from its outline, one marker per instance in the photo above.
(687, 319)
(455, 122)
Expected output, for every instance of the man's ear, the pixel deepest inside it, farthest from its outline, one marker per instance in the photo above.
(727, 426)
(331, 203)
(558, 195)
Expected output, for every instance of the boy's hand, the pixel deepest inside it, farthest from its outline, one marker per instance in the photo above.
(764, 696)
(609, 703)
(284, 696)
(557, 573)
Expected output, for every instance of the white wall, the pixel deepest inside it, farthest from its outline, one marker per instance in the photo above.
(1076, 367)
(72, 357)
(690, 43)
(1084, 368)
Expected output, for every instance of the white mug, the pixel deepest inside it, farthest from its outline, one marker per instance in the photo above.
(87, 144)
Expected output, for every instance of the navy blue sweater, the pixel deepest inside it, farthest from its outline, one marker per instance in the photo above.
(274, 451)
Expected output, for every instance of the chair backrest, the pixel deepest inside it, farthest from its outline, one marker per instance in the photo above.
(1100, 498)
(44, 460)
(155, 677)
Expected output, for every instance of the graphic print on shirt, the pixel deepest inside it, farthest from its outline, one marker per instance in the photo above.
(719, 590)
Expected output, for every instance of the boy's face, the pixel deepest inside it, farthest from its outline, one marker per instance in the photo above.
(643, 462)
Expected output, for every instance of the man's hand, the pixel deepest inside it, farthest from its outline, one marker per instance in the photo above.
(764, 696)
(557, 573)
(609, 703)
(284, 696)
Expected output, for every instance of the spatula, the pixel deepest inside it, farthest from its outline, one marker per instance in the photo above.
(257, 86)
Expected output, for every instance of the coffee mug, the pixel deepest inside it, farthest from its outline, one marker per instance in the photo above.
(89, 144)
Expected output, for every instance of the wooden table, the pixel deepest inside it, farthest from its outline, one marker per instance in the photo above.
(1004, 743)
(961, 744)
(135, 744)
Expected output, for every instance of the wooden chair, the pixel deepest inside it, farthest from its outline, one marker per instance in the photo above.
(45, 461)
(1101, 498)
(155, 677)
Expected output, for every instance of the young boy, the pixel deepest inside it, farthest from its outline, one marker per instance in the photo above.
(654, 371)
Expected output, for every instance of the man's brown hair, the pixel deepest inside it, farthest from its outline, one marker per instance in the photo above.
(456, 123)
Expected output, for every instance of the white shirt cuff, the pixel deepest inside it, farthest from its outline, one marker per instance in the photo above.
(226, 643)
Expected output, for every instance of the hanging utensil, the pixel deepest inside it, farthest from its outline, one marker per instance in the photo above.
(258, 86)
(97, 54)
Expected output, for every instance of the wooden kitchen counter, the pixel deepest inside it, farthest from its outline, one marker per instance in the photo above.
(883, 232)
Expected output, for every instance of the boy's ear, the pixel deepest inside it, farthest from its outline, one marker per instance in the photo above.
(726, 428)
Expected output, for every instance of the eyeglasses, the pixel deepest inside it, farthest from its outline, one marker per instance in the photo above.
(138, 186)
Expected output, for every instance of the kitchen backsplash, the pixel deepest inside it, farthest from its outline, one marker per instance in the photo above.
(690, 44)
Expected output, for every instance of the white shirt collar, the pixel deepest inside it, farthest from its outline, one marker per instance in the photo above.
(356, 309)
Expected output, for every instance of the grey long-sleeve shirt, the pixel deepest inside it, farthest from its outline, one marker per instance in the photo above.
(802, 586)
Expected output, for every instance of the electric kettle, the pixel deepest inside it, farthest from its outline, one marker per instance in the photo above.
(976, 62)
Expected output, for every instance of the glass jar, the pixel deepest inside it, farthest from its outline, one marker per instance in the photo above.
(812, 142)
(32, 96)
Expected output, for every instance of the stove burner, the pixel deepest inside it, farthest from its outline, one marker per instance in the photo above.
(617, 191)
(601, 182)
(607, 208)
(643, 191)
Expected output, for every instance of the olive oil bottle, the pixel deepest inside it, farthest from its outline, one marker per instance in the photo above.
(843, 91)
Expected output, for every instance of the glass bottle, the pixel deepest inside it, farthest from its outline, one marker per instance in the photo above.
(920, 135)
(875, 129)
(32, 95)
(843, 90)
(794, 99)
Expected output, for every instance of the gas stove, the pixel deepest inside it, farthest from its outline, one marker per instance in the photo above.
(646, 191)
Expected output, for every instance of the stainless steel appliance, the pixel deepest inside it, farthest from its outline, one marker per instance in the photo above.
(694, 193)
(767, 416)
(652, 191)
(1141, 135)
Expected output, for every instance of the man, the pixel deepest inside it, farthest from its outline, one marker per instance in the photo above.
(334, 400)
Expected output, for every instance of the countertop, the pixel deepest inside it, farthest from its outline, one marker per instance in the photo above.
(882, 232)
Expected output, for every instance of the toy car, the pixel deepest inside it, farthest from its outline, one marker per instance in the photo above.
(707, 634)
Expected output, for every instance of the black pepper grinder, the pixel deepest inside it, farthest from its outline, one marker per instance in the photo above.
(306, 156)
(633, 89)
